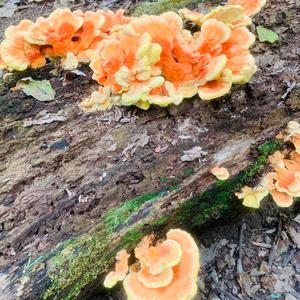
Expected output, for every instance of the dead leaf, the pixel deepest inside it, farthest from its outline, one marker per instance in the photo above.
(268, 282)
(39, 89)
(245, 283)
(294, 234)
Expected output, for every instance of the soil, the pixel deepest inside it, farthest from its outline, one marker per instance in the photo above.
(37, 155)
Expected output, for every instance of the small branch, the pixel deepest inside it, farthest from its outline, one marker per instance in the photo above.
(240, 259)
(273, 251)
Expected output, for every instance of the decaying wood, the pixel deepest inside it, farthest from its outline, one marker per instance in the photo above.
(63, 172)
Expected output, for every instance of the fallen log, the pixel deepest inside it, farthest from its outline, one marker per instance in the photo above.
(75, 190)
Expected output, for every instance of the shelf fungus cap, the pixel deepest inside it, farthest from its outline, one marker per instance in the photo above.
(276, 159)
(183, 284)
(99, 100)
(60, 26)
(213, 33)
(163, 256)
(120, 271)
(70, 62)
(192, 15)
(288, 181)
(3, 65)
(159, 280)
(294, 134)
(252, 196)
(252, 7)
(296, 142)
(293, 128)
(241, 39)
(216, 88)
(231, 15)
(221, 173)
(280, 198)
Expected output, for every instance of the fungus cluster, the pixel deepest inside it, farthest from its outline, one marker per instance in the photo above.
(142, 61)
(283, 182)
(60, 35)
(167, 270)
(220, 173)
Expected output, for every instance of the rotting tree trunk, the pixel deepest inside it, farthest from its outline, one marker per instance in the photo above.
(74, 191)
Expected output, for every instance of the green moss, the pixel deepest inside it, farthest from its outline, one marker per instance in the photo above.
(219, 200)
(79, 261)
(160, 6)
(119, 215)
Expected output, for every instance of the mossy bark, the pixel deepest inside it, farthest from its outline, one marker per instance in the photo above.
(73, 193)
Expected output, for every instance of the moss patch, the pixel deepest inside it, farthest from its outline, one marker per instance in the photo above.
(119, 215)
(219, 199)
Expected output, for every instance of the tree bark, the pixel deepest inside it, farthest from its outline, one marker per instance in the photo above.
(75, 190)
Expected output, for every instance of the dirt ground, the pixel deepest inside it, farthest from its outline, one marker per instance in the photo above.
(257, 260)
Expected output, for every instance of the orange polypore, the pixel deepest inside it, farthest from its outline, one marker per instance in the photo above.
(213, 34)
(60, 26)
(220, 173)
(163, 256)
(294, 134)
(193, 16)
(120, 272)
(216, 88)
(283, 183)
(3, 65)
(288, 181)
(252, 196)
(159, 280)
(16, 53)
(280, 198)
(231, 15)
(142, 61)
(183, 284)
(251, 7)
(296, 142)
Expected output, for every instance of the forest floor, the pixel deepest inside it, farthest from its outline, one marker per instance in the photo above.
(259, 257)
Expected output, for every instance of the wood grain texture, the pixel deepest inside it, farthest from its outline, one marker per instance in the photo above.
(60, 182)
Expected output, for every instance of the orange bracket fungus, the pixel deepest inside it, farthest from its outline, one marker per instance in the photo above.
(168, 270)
(283, 182)
(220, 173)
(142, 61)
(121, 270)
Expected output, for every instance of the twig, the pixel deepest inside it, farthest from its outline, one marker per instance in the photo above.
(240, 259)
(273, 250)
(78, 5)
(42, 8)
